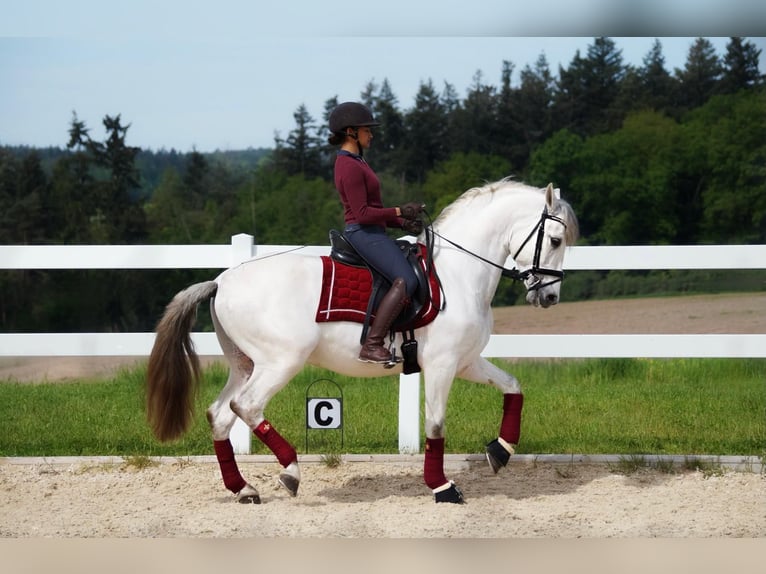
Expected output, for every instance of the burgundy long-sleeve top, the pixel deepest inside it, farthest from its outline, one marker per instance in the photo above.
(359, 190)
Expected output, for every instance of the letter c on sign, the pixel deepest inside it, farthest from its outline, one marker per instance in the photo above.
(324, 413)
(320, 406)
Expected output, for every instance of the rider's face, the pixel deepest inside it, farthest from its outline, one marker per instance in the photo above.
(365, 137)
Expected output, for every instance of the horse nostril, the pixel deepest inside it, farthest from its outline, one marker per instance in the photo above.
(551, 298)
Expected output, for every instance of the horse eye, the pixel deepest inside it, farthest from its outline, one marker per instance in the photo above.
(556, 241)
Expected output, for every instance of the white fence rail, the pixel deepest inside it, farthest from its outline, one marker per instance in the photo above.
(243, 248)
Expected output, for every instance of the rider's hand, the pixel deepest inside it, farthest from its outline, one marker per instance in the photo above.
(411, 210)
(413, 226)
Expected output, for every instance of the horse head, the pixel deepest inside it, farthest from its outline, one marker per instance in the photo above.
(541, 253)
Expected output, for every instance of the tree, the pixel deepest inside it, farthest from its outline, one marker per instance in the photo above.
(569, 109)
(533, 103)
(314, 209)
(625, 180)
(167, 212)
(328, 152)
(368, 94)
(99, 186)
(426, 129)
(389, 136)
(8, 177)
(31, 212)
(118, 201)
(659, 89)
(476, 119)
(450, 102)
(196, 180)
(301, 153)
(23, 198)
(740, 67)
(606, 71)
(587, 91)
(79, 137)
(557, 161)
(725, 139)
(700, 76)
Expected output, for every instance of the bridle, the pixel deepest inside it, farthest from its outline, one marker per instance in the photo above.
(535, 271)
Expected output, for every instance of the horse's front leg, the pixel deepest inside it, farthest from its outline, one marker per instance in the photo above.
(438, 382)
(499, 450)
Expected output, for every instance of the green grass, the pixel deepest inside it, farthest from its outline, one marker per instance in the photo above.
(606, 406)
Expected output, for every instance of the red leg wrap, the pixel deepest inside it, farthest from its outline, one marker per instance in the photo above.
(433, 468)
(510, 427)
(232, 479)
(269, 436)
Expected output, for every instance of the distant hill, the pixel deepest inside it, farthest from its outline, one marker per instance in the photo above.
(151, 164)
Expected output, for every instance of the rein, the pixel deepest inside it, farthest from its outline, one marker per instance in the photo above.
(514, 273)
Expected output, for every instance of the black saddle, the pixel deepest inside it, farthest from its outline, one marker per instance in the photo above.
(342, 251)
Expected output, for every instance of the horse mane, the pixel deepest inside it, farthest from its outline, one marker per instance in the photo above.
(564, 211)
(486, 192)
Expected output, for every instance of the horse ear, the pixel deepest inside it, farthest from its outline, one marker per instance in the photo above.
(552, 195)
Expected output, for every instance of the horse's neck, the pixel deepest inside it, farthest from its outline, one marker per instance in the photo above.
(487, 228)
(486, 232)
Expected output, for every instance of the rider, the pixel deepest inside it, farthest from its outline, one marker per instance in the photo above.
(367, 219)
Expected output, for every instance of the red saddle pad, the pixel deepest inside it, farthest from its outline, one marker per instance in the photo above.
(346, 292)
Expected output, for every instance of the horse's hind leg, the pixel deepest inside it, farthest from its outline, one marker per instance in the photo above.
(499, 450)
(221, 419)
(249, 405)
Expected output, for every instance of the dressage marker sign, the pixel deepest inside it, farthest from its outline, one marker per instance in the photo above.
(324, 412)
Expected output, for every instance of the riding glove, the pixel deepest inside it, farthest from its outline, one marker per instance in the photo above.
(411, 210)
(412, 226)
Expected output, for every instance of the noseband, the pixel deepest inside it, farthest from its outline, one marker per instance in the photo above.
(535, 271)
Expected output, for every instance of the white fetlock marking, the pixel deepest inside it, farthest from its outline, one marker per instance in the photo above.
(507, 446)
(246, 491)
(443, 487)
(293, 470)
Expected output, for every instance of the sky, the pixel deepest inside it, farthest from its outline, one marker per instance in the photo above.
(230, 74)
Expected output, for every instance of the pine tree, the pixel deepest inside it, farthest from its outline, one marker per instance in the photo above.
(426, 129)
(588, 90)
(533, 108)
(740, 67)
(389, 136)
(476, 119)
(659, 87)
(119, 215)
(301, 153)
(701, 74)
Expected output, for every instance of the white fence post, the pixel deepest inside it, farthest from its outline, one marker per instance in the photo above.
(240, 435)
(409, 413)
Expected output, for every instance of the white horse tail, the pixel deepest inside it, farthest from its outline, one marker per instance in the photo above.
(173, 371)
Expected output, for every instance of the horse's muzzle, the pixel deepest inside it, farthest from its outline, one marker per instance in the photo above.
(542, 297)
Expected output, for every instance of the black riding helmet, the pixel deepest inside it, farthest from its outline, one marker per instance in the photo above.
(351, 115)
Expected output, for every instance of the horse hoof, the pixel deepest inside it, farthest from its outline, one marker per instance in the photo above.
(497, 456)
(290, 483)
(248, 495)
(453, 494)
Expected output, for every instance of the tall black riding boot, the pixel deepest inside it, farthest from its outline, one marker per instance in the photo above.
(394, 301)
